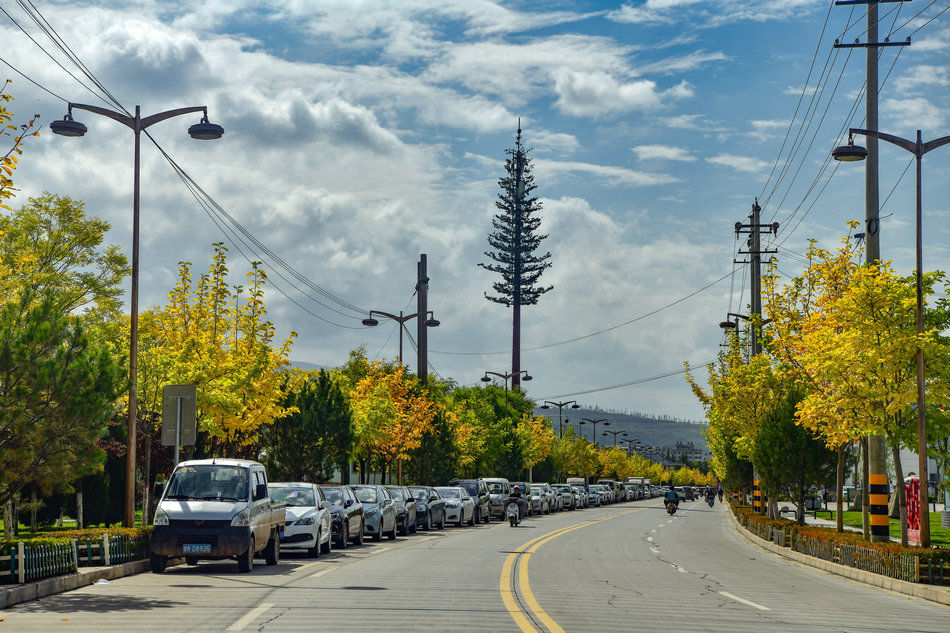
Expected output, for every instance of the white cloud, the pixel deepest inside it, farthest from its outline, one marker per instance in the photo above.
(682, 63)
(797, 91)
(933, 42)
(662, 152)
(610, 175)
(911, 114)
(745, 164)
(554, 142)
(597, 93)
(922, 75)
(696, 122)
(710, 14)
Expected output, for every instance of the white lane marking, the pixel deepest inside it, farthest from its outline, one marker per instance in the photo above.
(381, 549)
(654, 550)
(744, 601)
(680, 569)
(670, 521)
(249, 617)
(321, 572)
(649, 539)
(652, 531)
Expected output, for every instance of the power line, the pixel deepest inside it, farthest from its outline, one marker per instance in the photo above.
(592, 334)
(32, 81)
(629, 383)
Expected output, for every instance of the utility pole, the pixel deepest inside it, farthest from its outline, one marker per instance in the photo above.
(755, 229)
(876, 499)
(422, 332)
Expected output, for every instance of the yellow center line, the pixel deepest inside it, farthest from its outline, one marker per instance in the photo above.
(524, 585)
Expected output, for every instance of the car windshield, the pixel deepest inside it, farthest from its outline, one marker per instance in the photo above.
(333, 495)
(397, 494)
(496, 488)
(449, 493)
(209, 482)
(420, 493)
(366, 495)
(470, 486)
(292, 496)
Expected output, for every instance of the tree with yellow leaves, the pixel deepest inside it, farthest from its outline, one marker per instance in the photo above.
(535, 438)
(10, 158)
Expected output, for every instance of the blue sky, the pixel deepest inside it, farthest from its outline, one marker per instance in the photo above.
(361, 134)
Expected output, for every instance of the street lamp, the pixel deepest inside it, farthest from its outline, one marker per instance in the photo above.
(401, 320)
(615, 434)
(594, 422)
(506, 378)
(851, 153)
(560, 405)
(203, 130)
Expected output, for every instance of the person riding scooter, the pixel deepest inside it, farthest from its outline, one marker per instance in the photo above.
(518, 498)
(711, 497)
(672, 497)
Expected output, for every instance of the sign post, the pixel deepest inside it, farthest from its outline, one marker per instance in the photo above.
(179, 420)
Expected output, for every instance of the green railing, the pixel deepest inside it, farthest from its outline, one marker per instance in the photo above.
(21, 562)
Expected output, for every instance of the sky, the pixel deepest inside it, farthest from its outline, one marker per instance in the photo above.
(360, 134)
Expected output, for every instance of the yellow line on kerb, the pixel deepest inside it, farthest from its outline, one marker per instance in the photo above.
(524, 585)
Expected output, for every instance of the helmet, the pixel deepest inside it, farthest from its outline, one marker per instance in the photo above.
(516, 489)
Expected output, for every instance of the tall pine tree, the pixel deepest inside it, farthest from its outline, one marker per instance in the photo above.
(515, 240)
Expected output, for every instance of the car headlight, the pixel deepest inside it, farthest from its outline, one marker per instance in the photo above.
(452, 505)
(160, 517)
(370, 513)
(242, 518)
(421, 507)
(305, 521)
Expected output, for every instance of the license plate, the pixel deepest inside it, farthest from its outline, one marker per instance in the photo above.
(196, 549)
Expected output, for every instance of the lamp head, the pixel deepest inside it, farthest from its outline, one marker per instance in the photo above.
(544, 406)
(849, 153)
(370, 322)
(575, 406)
(527, 378)
(728, 325)
(485, 378)
(205, 130)
(432, 323)
(68, 127)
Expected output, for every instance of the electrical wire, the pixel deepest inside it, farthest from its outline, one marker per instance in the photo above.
(629, 383)
(32, 81)
(592, 334)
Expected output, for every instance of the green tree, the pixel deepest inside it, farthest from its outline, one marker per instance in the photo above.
(10, 158)
(315, 437)
(58, 393)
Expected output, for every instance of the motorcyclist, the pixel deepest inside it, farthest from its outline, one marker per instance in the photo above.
(672, 496)
(720, 494)
(710, 496)
(518, 498)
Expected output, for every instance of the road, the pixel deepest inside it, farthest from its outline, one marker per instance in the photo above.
(627, 567)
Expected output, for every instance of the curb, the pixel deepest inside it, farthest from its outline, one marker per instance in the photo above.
(15, 594)
(940, 595)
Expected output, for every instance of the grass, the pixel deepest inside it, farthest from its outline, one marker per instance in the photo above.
(939, 536)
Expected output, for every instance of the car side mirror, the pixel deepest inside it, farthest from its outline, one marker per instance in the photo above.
(158, 489)
(325, 505)
(434, 498)
(347, 503)
(260, 492)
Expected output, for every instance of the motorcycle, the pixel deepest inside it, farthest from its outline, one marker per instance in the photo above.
(711, 501)
(671, 508)
(513, 514)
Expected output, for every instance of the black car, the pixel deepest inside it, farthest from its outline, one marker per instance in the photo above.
(346, 516)
(479, 491)
(405, 509)
(430, 507)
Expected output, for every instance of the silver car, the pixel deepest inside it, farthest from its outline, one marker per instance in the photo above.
(566, 494)
(379, 511)
(459, 505)
(541, 501)
(581, 494)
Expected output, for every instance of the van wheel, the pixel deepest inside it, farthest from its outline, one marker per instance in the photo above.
(272, 550)
(246, 560)
(158, 562)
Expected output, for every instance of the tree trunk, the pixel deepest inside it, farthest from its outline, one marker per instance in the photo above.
(901, 496)
(9, 520)
(865, 499)
(79, 508)
(839, 491)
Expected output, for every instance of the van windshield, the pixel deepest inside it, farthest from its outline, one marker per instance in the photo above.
(496, 487)
(209, 482)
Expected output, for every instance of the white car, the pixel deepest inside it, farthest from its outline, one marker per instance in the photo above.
(459, 505)
(308, 517)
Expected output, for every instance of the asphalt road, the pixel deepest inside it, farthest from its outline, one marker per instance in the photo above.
(627, 567)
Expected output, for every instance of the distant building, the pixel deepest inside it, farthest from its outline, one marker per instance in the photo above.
(685, 451)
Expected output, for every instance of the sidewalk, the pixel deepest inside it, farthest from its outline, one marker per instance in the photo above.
(15, 594)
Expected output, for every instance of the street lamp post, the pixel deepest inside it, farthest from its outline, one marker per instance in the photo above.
(203, 130)
(401, 320)
(595, 422)
(560, 405)
(615, 434)
(506, 378)
(851, 153)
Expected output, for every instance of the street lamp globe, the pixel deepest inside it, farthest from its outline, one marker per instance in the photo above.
(68, 127)
(370, 322)
(205, 130)
(527, 378)
(849, 153)
(485, 379)
(575, 406)
(432, 323)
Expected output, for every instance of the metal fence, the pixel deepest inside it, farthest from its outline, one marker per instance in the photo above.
(903, 566)
(21, 563)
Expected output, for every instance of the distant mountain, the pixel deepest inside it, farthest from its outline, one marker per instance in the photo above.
(299, 364)
(650, 430)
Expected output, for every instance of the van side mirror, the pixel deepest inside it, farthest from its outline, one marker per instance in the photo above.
(158, 489)
(260, 492)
